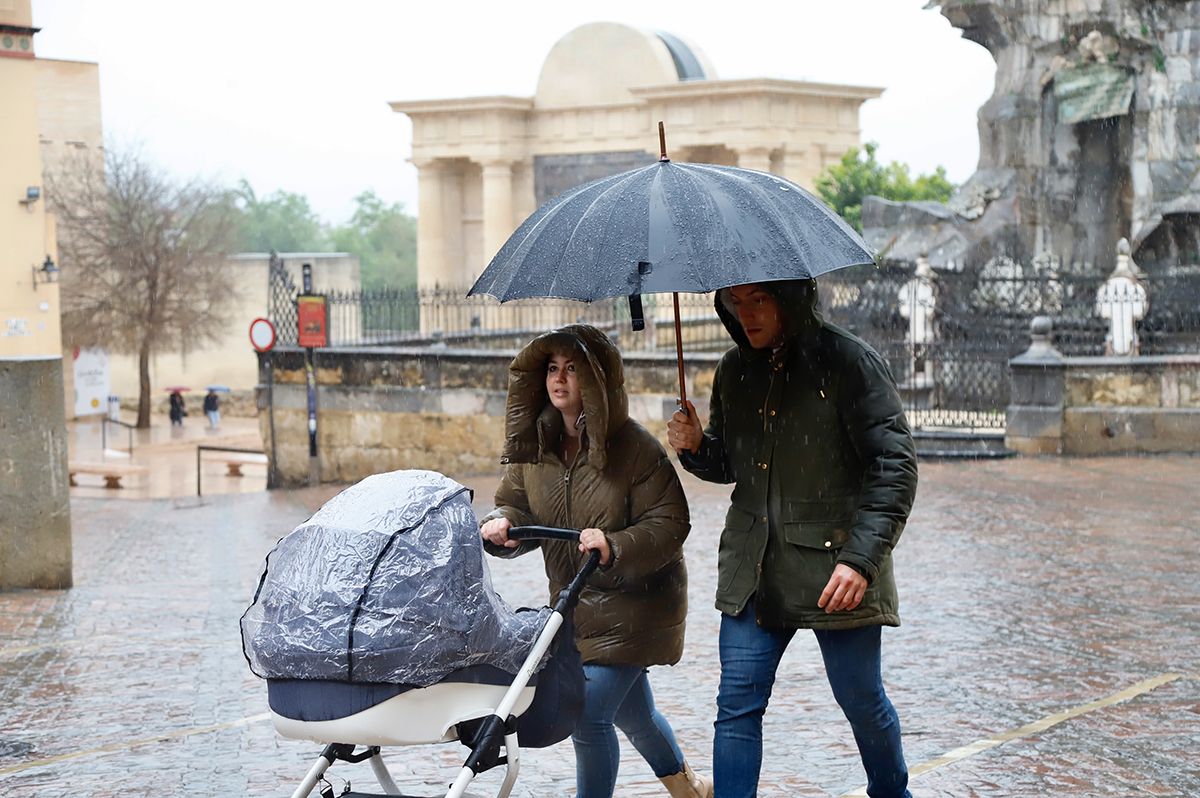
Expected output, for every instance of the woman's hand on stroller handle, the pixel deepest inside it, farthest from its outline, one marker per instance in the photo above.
(496, 532)
(594, 540)
(570, 594)
(590, 539)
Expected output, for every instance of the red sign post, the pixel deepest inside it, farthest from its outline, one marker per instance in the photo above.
(312, 317)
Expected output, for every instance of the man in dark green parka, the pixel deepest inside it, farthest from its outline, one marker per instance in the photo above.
(806, 421)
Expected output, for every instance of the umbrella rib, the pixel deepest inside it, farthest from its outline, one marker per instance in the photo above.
(798, 242)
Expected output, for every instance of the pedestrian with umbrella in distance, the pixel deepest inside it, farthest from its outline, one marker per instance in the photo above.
(805, 421)
(212, 405)
(176, 409)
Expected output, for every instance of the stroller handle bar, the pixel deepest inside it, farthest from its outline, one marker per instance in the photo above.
(534, 532)
(569, 596)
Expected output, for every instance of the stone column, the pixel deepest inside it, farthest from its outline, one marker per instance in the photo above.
(431, 226)
(497, 206)
(35, 508)
(755, 158)
(801, 166)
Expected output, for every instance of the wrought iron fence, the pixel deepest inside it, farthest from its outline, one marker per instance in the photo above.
(281, 302)
(947, 337)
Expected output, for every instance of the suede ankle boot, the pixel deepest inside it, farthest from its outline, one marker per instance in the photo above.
(686, 784)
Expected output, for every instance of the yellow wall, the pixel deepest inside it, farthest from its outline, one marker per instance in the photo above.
(29, 318)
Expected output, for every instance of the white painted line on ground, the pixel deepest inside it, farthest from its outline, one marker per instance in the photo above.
(125, 745)
(1036, 727)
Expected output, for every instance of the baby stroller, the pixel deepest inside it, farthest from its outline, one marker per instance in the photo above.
(375, 624)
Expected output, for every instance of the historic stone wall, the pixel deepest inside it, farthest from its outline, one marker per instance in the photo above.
(1102, 405)
(381, 409)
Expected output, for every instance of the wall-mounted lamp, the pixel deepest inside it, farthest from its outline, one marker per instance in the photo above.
(48, 273)
(32, 195)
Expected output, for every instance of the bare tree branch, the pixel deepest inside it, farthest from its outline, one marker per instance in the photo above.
(143, 258)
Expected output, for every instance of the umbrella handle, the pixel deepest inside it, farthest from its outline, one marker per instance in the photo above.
(679, 354)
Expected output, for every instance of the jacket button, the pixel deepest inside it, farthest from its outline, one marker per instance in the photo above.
(760, 411)
(764, 518)
(828, 543)
(763, 466)
(772, 412)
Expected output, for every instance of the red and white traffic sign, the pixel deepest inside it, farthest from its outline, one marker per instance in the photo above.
(262, 335)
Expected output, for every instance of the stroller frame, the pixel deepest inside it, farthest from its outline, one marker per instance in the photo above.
(488, 733)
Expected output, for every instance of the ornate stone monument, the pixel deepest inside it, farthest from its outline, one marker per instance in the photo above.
(1092, 134)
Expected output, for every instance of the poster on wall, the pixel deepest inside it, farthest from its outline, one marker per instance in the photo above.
(91, 381)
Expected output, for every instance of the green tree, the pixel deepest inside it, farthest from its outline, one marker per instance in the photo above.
(859, 174)
(385, 239)
(281, 221)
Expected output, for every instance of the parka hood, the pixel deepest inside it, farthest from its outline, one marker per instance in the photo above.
(797, 302)
(601, 377)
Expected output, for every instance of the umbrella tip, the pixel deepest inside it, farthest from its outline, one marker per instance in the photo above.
(662, 143)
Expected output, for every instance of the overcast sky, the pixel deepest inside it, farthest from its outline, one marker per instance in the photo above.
(292, 94)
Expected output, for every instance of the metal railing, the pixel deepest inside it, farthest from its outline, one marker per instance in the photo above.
(104, 434)
(201, 449)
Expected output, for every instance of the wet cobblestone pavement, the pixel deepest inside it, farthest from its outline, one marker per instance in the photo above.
(1050, 647)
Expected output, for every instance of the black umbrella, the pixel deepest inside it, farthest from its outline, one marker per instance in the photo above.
(670, 227)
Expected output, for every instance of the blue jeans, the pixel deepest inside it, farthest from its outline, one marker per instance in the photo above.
(620, 695)
(750, 655)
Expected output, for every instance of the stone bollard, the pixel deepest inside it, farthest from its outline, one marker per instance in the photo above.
(1034, 419)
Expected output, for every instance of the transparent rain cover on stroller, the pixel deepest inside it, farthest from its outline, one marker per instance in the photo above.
(385, 583)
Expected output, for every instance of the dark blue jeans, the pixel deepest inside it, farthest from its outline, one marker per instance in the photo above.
(619, 695)
(749, 658)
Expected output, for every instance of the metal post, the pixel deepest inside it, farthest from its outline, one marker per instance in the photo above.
(272, 467)
(311, 379)
(103, 438)
(314, 463)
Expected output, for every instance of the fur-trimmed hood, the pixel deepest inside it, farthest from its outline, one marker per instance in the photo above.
(532, 423)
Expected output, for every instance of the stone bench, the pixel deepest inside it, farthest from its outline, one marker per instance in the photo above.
(235, 462)
(112, 472)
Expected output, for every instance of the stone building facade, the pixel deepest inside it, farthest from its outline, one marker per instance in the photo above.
(486, 163)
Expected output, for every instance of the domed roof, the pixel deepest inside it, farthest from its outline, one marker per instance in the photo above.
(600, 62)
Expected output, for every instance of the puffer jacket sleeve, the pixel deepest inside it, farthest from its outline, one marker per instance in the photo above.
(511, 503)
(711, 461)
(875, 423)
(659, 521)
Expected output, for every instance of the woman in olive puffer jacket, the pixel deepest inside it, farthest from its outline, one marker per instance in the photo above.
(575, 459)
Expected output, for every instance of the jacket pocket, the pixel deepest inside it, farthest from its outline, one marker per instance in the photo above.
(823, 524)
(734, 543)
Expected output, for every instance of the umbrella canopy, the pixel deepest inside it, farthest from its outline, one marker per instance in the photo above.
(671, 227)
(218, 388)
(177, 389)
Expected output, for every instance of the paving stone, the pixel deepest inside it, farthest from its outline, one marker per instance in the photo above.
(1028, 587)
